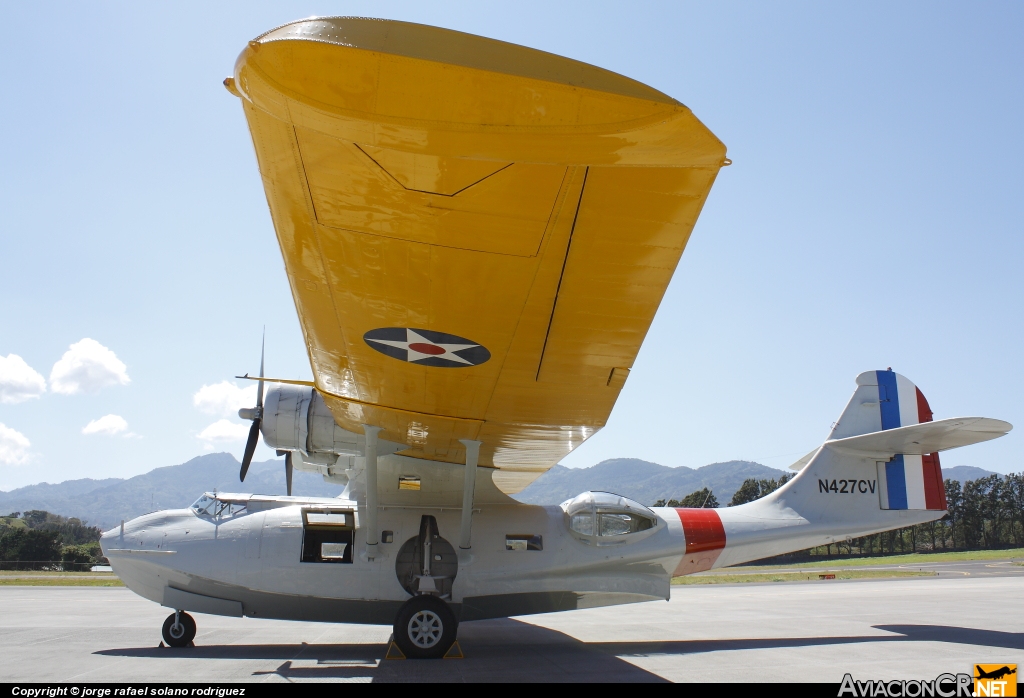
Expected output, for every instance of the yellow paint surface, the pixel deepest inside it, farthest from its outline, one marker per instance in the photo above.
(424, 178)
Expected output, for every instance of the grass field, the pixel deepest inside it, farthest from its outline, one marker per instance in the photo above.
(796, 576)
(44, 578)
(56, 581)
(48, 573)
(840, 567)
(910, 559)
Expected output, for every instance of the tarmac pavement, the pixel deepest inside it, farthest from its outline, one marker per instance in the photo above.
(905, 628)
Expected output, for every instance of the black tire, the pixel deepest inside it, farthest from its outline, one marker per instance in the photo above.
(425, 628)
(181, 636)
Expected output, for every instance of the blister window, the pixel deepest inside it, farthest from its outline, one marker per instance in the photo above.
(606, 515)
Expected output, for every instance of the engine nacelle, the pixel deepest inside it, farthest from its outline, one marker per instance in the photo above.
(296, 418)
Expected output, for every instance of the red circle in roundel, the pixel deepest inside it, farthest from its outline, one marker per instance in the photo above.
(430, 349)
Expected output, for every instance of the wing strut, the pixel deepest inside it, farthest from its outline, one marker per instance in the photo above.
(468, 490)
(371, 490)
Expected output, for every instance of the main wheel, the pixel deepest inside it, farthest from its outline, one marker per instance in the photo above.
(179, 634)
(425, 628)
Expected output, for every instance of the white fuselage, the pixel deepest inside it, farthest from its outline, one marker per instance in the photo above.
(279, 557)
(254, 557)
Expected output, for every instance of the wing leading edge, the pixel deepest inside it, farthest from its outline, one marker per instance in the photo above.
(477, 235)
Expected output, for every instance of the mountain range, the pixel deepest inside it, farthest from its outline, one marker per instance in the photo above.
(106, 502)
(644, 481)
(648, 482)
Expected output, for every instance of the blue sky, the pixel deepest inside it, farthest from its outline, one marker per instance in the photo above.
(872, 218)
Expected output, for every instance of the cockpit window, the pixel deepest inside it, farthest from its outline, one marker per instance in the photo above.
(604, 514)
(202, 505)
(216, 508)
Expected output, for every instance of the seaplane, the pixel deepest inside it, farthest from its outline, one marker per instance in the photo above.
(477, 236)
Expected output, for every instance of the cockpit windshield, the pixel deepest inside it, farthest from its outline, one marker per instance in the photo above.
(211, 507)
(605, 514)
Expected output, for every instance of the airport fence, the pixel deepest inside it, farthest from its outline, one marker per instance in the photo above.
(52, 566)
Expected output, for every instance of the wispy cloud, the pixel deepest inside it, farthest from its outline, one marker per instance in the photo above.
(13, 446)
(110, 425)
(19, 381)
(86, 367)
(224, 399)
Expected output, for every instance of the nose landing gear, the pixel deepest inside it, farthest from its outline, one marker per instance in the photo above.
(179, 629)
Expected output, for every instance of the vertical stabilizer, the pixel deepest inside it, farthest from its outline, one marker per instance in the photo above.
(882, 400)
(886, 400)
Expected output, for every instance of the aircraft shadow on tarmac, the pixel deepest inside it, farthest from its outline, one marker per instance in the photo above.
(502, 650)
(505, 649)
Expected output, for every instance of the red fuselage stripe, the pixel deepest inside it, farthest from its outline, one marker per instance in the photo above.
(703, 530)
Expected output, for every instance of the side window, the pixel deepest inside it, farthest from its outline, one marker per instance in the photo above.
(523, 542)
(327, 536)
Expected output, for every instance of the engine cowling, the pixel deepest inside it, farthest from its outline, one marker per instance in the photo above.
(296, 418)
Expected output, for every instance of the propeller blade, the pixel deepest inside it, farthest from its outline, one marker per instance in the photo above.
(259, 390)
(288, 471)
(250, 448)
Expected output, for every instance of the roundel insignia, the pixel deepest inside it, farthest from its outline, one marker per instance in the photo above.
(426, 347)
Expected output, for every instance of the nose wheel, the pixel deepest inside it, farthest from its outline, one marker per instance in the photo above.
(179, 629)
(425, 628)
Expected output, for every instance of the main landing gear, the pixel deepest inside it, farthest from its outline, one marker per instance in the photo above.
(425, 628)
(179, 629)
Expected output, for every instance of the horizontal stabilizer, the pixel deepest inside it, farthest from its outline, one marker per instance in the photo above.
(799, 465)
(920, 439)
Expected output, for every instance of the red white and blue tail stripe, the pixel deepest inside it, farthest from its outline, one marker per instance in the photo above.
(877, 471)
(907, 481)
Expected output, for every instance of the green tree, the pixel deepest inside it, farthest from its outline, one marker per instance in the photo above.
(955, 511)
(72, 531)
(29, 545)
(1014, 495)
(769, 486)
(702, 498)
(79, 554)
(748, 492)
(752, 489)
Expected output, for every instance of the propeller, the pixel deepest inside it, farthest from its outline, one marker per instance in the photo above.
(256, 415)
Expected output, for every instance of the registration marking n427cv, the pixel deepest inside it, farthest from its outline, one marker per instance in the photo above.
(846, 486)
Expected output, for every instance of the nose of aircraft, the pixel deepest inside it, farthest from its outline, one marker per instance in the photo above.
(142, 530)
(108, 538)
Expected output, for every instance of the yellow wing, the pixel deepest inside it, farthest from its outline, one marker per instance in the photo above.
(477, 234)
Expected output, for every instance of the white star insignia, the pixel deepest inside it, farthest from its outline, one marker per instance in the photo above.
(412, 339)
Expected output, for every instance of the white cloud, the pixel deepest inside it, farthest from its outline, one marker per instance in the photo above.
(13, 446)
(110, 425)
(222, 430)
(87, 367)
(18, 380)
(224, 398)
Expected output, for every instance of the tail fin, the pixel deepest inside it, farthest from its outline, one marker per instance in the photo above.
(883, 400)
(879, 470)
(886, 400)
